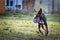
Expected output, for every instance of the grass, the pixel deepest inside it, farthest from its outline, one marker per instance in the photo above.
(16, 26)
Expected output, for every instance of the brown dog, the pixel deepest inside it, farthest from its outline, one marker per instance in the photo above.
(42, 17)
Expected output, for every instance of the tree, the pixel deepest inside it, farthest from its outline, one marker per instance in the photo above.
(52, 6)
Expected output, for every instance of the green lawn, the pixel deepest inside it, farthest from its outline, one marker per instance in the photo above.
(16, 26)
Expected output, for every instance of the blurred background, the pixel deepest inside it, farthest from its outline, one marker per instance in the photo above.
(16, 19)
(51, 6)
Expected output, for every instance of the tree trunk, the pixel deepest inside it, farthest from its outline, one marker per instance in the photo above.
(52, 6)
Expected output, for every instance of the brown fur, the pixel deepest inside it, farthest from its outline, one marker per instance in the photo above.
(39, 24)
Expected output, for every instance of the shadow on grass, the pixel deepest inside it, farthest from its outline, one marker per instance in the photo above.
(23, 36)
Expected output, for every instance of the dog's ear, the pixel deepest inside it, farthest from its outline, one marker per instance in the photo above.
(35, 11)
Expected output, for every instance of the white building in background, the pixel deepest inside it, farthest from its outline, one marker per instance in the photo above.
(12, 4)
(46, 5)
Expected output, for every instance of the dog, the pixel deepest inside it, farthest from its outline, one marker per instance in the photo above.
(42, 20)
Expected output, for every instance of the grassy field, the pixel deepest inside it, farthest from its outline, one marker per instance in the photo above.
(16, 26)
